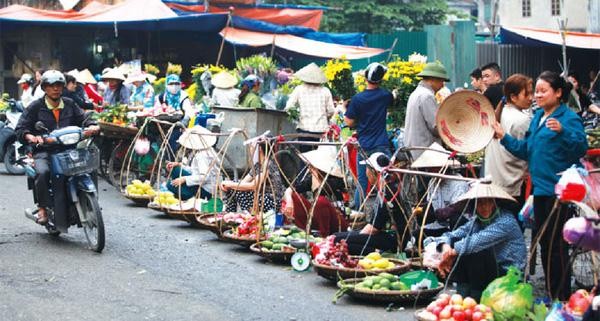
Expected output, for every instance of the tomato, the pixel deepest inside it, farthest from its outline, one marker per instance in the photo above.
(446, 313)
(437, 310)
(477, 316)
(459, 315)
(469, 302)
(456, 299)
(468, 314)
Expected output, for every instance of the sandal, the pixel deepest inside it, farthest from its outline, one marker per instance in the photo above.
(42, 220)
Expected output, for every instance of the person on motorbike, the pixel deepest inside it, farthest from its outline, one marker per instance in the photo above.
(54, 111)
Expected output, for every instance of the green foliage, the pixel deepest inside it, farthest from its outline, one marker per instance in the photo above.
(377, 16)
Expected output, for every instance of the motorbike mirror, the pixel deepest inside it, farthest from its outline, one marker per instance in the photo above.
(39, 126)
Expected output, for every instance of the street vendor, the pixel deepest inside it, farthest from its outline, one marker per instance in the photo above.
(249, 97)
(173, 99)
(26, 84)
(314, 102)
(116, 92)
(554, 142)
(327, 217)
(264, 178)
(486, 246)
(203, 171)
(224, 94)
(376, 235)
(142, 95)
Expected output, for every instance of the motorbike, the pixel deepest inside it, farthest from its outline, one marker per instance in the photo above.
(74, 196)
(11, 149)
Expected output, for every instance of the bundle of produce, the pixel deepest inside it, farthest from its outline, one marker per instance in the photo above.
(454, 307)
(139, 188)
(509, 298)
(116, 115)
(336, 255)
(282, 238)
(579, 302)
(234, 218)
(593, 137)
(4, 104)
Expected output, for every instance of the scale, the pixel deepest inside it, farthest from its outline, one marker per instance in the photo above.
(301, 259)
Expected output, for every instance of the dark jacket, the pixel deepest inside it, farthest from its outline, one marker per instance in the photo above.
(547, 152)
(70, 115)
(79, 97)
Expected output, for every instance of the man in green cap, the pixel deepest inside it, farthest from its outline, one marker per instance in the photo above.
(419, 123)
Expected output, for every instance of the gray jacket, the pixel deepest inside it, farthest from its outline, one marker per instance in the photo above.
(419, 123)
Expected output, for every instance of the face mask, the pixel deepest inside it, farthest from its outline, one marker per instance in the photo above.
(173, 89)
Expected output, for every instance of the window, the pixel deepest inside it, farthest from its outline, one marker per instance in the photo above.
(555, 7)
(526, 8)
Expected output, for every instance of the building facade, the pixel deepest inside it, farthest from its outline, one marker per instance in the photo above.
(580, 15)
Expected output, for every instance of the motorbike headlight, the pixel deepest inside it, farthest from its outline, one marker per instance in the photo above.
(70, 139)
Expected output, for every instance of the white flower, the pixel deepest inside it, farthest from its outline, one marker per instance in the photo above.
(417, 58)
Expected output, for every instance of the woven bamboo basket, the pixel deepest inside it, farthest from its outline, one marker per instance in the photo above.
(211, 221)
(243, 241)
(283, 256)
(139, 200)
(420, 296)
(333, 273)
(116, 131)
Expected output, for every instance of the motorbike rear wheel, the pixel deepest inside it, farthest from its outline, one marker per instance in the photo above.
(10, 161)
(93, 224)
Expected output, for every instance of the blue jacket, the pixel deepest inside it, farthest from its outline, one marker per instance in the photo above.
(549, 152)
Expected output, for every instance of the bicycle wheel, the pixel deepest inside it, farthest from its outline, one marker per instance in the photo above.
(586, 268)
(91, 220)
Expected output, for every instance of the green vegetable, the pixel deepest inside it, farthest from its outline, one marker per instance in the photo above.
(267, 244)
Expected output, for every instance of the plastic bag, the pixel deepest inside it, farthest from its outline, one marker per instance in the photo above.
(570, 187)
(593, 181)
(431, 257)
(509, 298)
(142, 146)
(558, 313)
(526, 213)
(580, 232)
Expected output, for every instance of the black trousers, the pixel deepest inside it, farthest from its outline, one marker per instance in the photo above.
(553, 246)
(474, 272)
(42, 179)
(307, 148)
(363, 244)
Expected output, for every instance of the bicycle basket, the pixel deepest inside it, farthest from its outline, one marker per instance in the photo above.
(76, 161)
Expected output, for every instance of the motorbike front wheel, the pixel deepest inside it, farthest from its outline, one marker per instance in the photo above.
(10, 161)
(93, 225)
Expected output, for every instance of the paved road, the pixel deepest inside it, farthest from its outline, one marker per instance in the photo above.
(153, 268)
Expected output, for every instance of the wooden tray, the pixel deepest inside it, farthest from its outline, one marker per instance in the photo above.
(243, 241)
(283, 256)
(423, 296)
(117, 131)
(335, 273)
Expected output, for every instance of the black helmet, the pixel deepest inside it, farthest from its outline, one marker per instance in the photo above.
(51, 77)
(375, 72)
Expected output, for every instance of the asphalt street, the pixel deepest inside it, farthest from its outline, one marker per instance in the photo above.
(153, 268)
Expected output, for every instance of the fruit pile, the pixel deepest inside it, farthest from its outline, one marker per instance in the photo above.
(139, 188)
(454, 307)
(382, 282)
(335, 255)
(248, 228)
(235, 218)
(281, 238)
(593, 137)
(374, 261)
(165, 199)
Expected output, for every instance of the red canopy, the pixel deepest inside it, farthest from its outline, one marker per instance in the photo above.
(298, 44)
(285, 17)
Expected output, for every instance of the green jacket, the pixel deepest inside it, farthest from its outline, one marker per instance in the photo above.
(251, 100)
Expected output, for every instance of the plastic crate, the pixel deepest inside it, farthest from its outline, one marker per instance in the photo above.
(75, 161)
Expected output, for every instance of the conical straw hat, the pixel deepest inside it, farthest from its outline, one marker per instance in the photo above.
(224, 80)
(196, 138)
(464, 121)
(324, 158)
(311, 74)
(86, 77)
(484, 189)
(431, 158)
(114, 73)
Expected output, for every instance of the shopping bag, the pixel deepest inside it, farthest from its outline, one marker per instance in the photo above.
(509, 298)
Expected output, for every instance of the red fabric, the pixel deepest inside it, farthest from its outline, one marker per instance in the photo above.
(572, 38)
(326, 218)
(92, 93)
(284, 17)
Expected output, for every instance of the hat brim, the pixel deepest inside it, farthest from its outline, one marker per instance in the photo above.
(197, 138)
(483, 191)
(224, 81)
(323, 162)
(433, 75)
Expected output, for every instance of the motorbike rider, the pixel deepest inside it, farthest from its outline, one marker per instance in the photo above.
(54, 111)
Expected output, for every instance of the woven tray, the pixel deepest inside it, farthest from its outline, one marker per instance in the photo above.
(158, 208)
(335, 273)
(139, 200)
(116, 131)
(389, 296)
(243, 241)
(283, 256)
